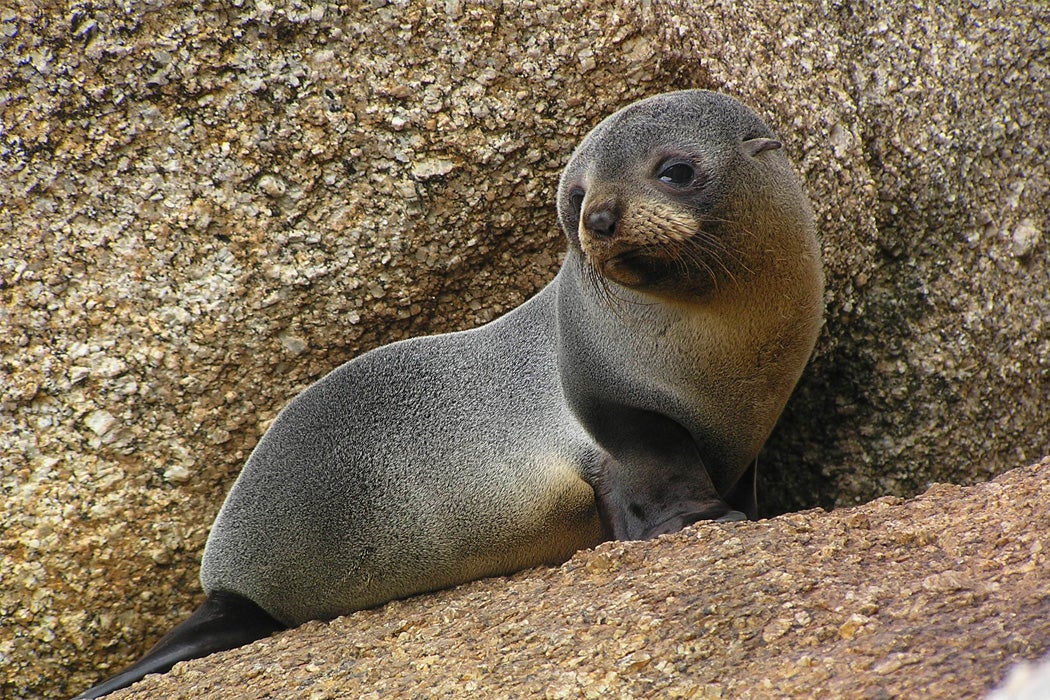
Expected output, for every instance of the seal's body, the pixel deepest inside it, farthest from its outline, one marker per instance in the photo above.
(629, 398)
(417, 466)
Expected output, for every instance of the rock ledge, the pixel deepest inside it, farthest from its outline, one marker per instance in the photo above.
(933, 597)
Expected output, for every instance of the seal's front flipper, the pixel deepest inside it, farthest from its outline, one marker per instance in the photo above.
(652, 480)
(715, 510)
(223, 621)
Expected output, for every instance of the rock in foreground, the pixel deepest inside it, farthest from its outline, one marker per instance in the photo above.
(934, 597)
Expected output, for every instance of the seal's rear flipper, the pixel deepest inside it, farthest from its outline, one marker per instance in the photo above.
(223, 621)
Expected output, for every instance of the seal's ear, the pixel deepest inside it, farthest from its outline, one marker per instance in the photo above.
(753, 147)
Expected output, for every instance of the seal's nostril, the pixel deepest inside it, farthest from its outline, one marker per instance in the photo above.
(602, 222)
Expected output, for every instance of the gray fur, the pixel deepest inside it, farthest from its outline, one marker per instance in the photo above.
(591, 411)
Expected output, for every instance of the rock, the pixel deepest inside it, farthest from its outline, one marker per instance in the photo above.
(206, 208)
(938, 593)
(100, 422)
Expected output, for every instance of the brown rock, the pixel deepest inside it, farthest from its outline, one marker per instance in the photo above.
(933, 598)
(203, 208)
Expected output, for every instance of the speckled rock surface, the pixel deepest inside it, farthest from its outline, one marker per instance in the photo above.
(933, 598)
(204, 207)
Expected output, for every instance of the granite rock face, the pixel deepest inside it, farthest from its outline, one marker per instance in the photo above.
(935, 598)
(204, 207)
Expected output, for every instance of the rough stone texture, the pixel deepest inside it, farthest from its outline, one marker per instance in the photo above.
(204, 207)
(929, 598)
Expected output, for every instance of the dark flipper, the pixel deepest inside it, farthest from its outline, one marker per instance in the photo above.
(654, 481)
(223, 621)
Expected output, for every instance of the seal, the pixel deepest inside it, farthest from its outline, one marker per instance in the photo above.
(627, 399)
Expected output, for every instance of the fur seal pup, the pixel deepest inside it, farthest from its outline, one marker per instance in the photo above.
(629, 398)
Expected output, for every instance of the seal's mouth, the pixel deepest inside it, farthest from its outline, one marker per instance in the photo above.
(636, 267)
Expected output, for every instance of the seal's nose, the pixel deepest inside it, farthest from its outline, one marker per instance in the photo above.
(601, 222)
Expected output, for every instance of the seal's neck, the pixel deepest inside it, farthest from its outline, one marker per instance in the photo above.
(620, 348)
(716, 368)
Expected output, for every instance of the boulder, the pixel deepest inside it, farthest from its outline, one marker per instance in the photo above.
(928, 598)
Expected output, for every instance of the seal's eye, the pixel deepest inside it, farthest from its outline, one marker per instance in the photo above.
(677, 174)
(576, 200)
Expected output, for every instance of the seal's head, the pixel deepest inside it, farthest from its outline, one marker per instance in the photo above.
(655, 197)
